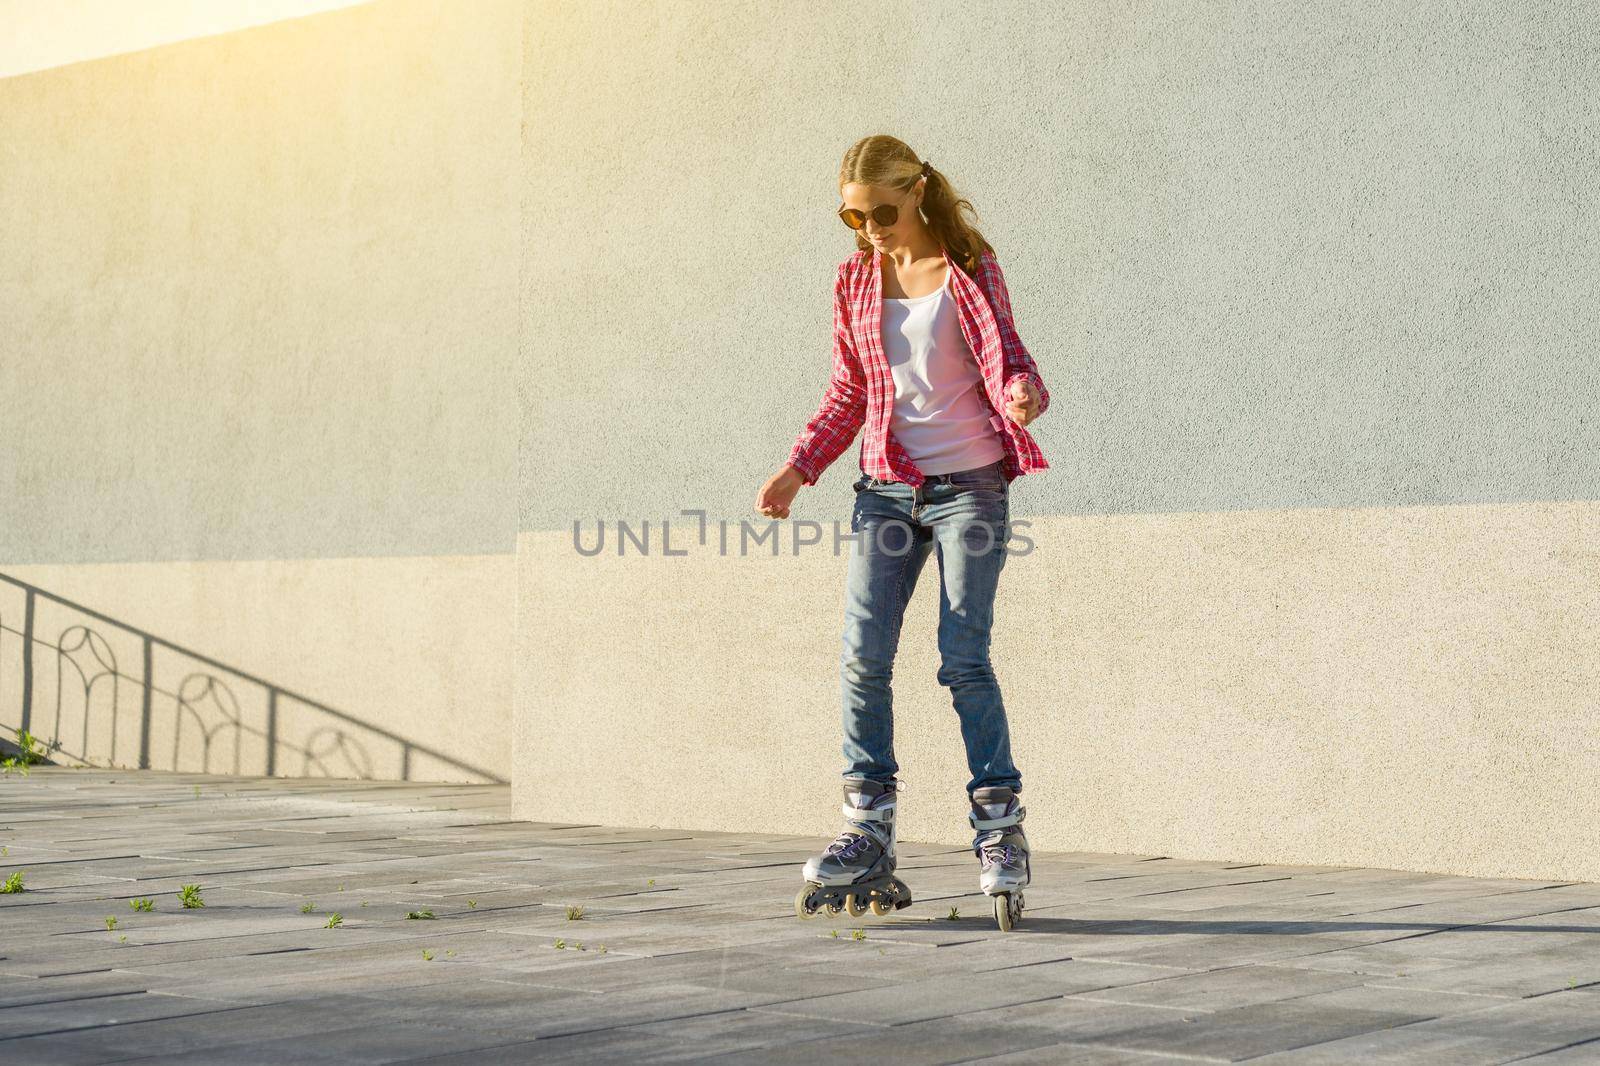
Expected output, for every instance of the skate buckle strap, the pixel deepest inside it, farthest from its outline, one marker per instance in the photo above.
(998, 852)
(996, 823)
(868, 814)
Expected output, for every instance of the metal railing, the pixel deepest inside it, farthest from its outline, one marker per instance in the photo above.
(194, 713)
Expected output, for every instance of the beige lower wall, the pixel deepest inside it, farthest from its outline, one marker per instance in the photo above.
(1413, 688)
(386, 668)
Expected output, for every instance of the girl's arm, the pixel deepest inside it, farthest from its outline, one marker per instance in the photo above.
(844, 403)
(1018, 363)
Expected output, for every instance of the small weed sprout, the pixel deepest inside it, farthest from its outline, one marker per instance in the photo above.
(449, 952)
(651, 881)
(189, 896)
(562, 944)
(27, 755)
(424, 914)
(602, 949)
(335, 920)
(111, 923)
(953, 915)
(363, 903)
(123, 939)
(197, 792)
(307, 907)
(858, 934)
(142, 904)
(574, 914)
(833, 932)
(472, 904)
(13, 883)
(427, 956)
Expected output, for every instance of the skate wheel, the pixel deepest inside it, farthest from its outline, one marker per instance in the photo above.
(833, 909)
(801, 911)
(853, 904)
(880, 906)
(1002, 911)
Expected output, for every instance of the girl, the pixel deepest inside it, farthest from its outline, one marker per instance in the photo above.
(926, 358)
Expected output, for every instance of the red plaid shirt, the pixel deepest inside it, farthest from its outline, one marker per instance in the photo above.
(861, 389)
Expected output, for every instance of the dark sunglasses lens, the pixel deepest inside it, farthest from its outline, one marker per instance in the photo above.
(853, 218)
(886, 215)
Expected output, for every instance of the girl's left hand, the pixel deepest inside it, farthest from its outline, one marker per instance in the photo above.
(1023, 405)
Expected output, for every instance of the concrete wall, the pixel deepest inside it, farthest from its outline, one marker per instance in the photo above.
(259, 327)
(319, 336)
(1314, 292)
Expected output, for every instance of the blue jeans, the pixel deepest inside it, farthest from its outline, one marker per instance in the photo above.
(963, 518)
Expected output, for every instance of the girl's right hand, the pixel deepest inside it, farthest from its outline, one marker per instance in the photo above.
(779, 492)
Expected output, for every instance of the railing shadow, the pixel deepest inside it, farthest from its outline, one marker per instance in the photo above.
(193, 713)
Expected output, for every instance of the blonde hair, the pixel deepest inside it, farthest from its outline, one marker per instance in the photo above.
(889, 163)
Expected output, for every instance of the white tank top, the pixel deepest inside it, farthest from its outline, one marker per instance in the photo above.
(940, 416)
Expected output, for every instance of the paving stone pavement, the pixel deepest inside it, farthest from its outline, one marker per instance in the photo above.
(688, 949)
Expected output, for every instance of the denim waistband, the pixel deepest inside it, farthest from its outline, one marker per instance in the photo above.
(997, 467)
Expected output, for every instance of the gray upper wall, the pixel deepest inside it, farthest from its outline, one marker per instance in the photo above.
(1266, 255)
(258, 293)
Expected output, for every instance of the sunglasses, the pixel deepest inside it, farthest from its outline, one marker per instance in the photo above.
(884, 215)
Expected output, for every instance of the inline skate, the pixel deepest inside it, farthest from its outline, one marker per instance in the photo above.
(1002, 850)
(856, 872)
